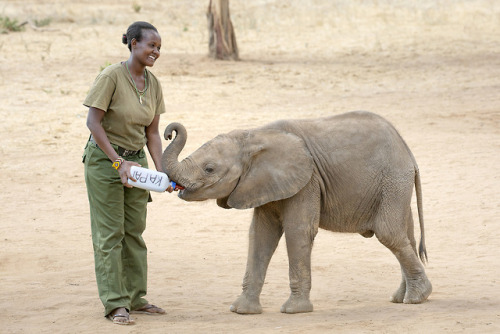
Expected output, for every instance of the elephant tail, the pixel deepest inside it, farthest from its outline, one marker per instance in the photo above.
(422, 252)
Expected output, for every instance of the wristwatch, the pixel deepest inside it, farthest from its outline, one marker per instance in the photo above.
(118, 162)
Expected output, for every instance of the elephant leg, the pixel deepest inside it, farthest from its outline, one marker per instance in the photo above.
(264, 236)
(399, 295)
(415, 287)
(301, 222)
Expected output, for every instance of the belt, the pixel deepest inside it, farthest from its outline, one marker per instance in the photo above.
(125, 153)
(120, 150)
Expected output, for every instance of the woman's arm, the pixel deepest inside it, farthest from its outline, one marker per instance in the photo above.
(154, 145)
(94, 119)
(154, 142)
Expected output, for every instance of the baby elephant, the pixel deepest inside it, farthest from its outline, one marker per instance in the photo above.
(347, 173)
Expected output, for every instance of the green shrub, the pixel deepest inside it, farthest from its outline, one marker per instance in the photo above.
(43, 23)
(7, 24)
(106, 64)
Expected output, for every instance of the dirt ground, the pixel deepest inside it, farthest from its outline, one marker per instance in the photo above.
(431, 68)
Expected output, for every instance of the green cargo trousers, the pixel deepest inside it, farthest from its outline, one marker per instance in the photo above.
(118, 219)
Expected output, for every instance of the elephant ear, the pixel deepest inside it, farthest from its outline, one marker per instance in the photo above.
(222, 202)
(278, 165)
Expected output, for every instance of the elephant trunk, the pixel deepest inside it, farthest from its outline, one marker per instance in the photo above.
(170, 157)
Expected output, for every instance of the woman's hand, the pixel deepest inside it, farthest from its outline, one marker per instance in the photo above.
(125, 174)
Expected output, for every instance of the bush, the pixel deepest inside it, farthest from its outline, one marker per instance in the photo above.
(7, 24)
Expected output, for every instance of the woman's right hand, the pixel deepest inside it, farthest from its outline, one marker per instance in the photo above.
(125, 174)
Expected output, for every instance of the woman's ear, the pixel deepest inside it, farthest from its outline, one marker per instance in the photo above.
(278, 166)
(133, 43)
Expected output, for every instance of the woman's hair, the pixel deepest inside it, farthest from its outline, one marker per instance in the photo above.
(135, 31)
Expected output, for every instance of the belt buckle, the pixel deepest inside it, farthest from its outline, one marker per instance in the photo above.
(126, 153)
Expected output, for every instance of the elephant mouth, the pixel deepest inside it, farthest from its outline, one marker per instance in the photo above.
(178, 187)
(189, 196)
(183, 192)
(191, 193)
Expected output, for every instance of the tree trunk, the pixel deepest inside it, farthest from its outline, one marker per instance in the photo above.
(222, 41)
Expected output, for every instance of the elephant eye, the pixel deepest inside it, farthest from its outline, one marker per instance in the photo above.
(209, 169)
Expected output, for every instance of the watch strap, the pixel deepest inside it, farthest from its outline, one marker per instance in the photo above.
(117, 163)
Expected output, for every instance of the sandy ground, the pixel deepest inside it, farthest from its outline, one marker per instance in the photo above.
(431, 68)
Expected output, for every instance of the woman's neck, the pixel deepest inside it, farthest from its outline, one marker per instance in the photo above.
(135, 68)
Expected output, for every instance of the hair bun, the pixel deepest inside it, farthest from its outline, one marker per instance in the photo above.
(124, 39)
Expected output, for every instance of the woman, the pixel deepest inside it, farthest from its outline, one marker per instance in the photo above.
(125, 103)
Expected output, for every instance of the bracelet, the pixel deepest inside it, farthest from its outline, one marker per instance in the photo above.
(118, 162)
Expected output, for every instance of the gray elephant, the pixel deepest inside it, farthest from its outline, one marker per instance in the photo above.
(347, 173)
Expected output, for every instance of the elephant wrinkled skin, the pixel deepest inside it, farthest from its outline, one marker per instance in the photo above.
(347, 173)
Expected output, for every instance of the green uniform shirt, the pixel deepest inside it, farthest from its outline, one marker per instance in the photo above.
(125, 120)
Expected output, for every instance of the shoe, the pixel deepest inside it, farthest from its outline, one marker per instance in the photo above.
(150, 309)
(120, 318)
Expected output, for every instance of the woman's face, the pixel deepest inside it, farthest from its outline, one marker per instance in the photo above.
(147, 51)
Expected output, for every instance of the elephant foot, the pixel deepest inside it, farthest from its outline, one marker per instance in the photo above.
(246, 305)
(297, 304)
(415, 292)
(399, 295)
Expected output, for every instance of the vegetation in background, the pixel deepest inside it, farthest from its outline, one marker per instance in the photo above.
(106, 64)
(43, 23)
(12, 25)
(7, 25)
(136, 7)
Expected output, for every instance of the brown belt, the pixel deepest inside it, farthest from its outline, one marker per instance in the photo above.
(120, 150)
